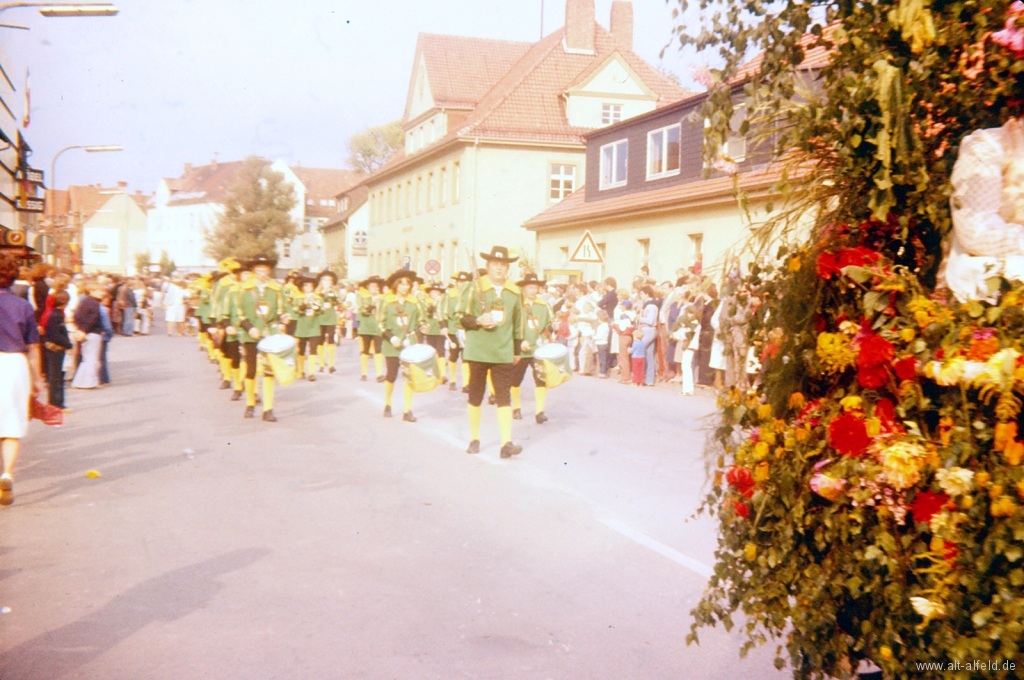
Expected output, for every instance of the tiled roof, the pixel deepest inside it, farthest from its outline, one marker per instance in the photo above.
(574, 210)
(814, 57)
(324, 184)
(204, 183)
(461, 70)
(144, 201)
(357, 197)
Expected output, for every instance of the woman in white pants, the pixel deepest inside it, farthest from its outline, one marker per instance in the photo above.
(89, 325)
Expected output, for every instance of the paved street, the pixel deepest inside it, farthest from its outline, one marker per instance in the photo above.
(337, 544)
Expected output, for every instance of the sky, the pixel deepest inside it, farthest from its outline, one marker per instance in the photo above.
(187, 81)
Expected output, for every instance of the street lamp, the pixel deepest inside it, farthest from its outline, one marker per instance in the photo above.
(66, 9)
(92, 148)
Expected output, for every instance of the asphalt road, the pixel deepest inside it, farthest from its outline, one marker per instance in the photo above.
(337, 544)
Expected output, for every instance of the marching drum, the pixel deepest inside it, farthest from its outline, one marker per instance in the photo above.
(278, 351)
(419, 367)
(552, 362)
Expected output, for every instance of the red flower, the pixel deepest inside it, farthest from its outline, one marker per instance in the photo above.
(873, 357)
(743, 479)
(886, 412)
(906, 368)
(873, 378)
(828, 266)
(848, 435)
(926, 504)
(950, 551)
(742, 509)
(856, 257)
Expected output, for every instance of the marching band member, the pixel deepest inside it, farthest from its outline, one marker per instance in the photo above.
(308, 306)
(432, 323)
(203, 287)
(490, 311)
(537, 329)
(260, 304)
(327, 290)
(368, 302)
(292, 289)
(398, 317)
(224, 299)
(452, 330)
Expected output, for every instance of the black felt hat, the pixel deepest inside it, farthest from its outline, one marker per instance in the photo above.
(373, 279)
(499, 254)
(462, 277)
(531, 280)
(327, 272)
(403, 274)
(260, 261)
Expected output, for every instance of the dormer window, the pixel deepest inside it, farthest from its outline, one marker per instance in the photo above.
(611, 113)
(663, 152)
(614, 163)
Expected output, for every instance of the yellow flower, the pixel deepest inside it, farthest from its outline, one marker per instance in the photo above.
(995, 491)
(764, 411)
(937, 544)
(751, 551)
(967, 502)
(885, 651)
(874, 426)
(955, 481)
(768, 437)
(794, 264)
(796, 401)
(801, 434)
(902, 463)
(1003, 507)
(852, 403)
(981, 479)
(761, 472)
(835, 353)
(951, 371)
(761, 450)
(907, 334)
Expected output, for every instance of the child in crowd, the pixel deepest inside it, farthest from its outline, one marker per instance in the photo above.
(636, 357)
(55, 343)
(602, 336)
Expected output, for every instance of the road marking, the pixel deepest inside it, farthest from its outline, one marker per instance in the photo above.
(679, 558)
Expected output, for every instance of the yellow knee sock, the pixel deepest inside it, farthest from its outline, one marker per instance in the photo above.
(268, 394)
(225, 368)
(505, 424)
(364, 361)
(331, 353)
(407, 396)
(490, 384)
(300, 362)
(378, 362)
(320, 353)
(541, 394)
(441, 366)
(452, 368)
(250, 392)
(389, 387)
(465, 373)
(515, 397)
(474, 422)
(313, 364)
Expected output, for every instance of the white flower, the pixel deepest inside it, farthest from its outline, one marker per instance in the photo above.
(927, 608)
(955, 481)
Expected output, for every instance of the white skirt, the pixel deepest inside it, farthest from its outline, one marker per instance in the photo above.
(175, 314)
(15, 389)
(717, 361)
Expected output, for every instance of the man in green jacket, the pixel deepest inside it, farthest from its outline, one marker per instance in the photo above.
(490, 311)
(259, 309)
(451, 329)
(367, 305)
(398, 318)
(537, 329)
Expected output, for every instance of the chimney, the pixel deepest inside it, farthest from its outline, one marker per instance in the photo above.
(122, 185)
(622, 23)
(188, 168)
(579, 25)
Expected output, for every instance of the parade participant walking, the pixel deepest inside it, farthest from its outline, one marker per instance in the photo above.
(367, 304)
(398, 318)
(259, 308)
(328, 292)
(89, 335)
(224, 295)
(308, 307)
(20, 371)
(491, 313)
(432, 324)
(452, 331)
(538, 329)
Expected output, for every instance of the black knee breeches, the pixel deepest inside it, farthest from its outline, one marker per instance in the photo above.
(231, 351)
(393, 364)
(501, 376)
(519, 372)
(368, 341)
(249, 351)
(308, 343)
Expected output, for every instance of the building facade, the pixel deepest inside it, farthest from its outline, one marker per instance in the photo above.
(494, 134)
(346, 235)
(116, 233)
(21, 201)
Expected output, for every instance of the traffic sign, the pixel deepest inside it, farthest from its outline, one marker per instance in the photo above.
(406, 262)
(586, 250)
(432, 267)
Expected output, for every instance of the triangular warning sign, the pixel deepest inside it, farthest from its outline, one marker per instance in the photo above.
(586, 250)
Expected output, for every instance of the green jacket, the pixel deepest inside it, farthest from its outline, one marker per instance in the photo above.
(537, 322)
(432, 315)
(329, 312)
(220, 308)
(398, 319)
(203, 308)
(449, 305)
(366, 313)
(498, 345)
(257, 309)
(307, 309)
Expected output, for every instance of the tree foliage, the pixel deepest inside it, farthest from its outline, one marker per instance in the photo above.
(877, 391)
(142, 263)
(373, 147)
(167, 266)
(256, 214)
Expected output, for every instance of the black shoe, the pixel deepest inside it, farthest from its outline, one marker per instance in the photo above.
(311, 378)
(380, 378)
(258, 400)
(510, 449)
(474, 446)
(322, 369)
(465, 389)
(541, 418)
(236, 395)
(517, 414)
(452, 387)
(408, 417)
(269, 416)
(250, 412)
(387, 411)
(362, 378)
(225, 384)
(332, 370)
(491, 400)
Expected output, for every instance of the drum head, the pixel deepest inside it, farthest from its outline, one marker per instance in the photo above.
(551, 351)
(417, 353)
(273, 344)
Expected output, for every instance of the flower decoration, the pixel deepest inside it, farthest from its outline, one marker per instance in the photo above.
(848, 435)
(926, 504)
(1011, 37)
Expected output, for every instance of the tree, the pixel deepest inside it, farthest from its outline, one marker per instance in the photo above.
(373, 147)
(142, 263)
(167, 265)
(339, 266)
(256, 214)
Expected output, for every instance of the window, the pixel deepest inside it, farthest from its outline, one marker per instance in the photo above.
(442, 181)
(287, 248)
(398, 201)
(663, 152)
(645, 251)
(697, 248)
(565, 254)
(419, 194)
(563, 181)
(736, 147)
(613, 164)
(408, 198)
(611, 113)
(455, 182)
(430, 191)
(388, 214)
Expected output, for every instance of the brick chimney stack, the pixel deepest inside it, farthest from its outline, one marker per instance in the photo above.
(622, 23)
(580, 25)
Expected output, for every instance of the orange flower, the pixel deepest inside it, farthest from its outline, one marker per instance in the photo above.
(796, 401)
(1014, 452)
(1005, 433)
(761, 473)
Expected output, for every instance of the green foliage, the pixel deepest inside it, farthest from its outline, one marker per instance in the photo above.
(142, 263)
(255, 216)
(373, 147)
(339, 265)
(167, 265)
